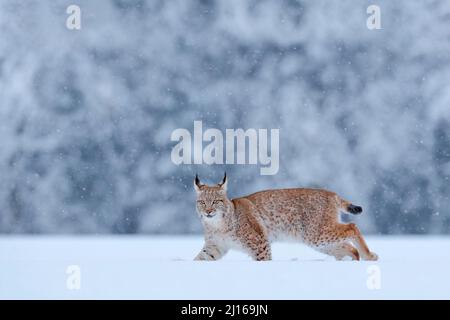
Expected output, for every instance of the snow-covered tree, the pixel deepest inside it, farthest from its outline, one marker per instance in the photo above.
(86, 115)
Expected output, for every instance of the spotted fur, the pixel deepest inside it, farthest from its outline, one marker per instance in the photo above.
(253, 222)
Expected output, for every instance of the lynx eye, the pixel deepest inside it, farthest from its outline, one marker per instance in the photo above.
(217, 202)
(201, 202)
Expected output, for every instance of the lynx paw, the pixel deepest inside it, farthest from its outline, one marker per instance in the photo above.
(372, 257)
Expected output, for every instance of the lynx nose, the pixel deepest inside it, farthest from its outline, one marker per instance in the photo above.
(208, 211)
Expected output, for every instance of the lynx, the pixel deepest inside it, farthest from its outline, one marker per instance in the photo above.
(251, 223)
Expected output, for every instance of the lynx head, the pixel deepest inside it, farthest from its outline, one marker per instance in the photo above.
(212, 201)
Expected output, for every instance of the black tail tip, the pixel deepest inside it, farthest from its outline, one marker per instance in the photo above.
(354, 209)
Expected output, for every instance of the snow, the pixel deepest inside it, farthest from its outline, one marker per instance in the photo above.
(151, 267)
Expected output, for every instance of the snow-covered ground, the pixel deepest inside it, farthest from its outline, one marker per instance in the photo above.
(140, 267)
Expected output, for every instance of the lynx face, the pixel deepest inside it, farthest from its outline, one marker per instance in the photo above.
(212, 201)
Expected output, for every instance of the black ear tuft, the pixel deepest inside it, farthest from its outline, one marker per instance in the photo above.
(224, 179)
(197, 183)
(224, 183)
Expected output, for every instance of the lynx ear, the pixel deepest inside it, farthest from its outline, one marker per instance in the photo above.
(197, 183)
(224, 182)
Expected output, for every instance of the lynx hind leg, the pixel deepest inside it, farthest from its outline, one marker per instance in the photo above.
(341, 251)
(351, 232)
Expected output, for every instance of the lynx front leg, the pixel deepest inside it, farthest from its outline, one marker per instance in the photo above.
(211, 252)
(258, 248)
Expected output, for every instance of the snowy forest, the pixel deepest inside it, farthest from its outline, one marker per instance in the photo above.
(86, 115)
